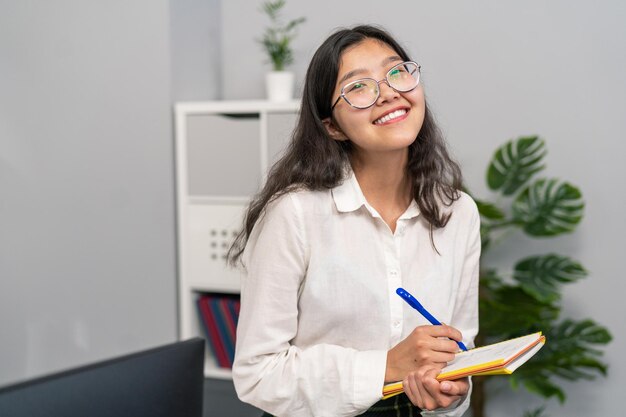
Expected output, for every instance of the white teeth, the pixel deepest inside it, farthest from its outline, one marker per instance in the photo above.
(390, 116)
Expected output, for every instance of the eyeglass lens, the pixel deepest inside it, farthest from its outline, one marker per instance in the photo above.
(363, 93)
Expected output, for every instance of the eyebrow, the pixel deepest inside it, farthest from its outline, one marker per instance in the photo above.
(358, 71)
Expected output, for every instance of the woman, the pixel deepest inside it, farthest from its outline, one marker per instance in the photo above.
(365, 200)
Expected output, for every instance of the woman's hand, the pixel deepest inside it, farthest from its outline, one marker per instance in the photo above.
(428, 394)
(418, 359)
(427, 347)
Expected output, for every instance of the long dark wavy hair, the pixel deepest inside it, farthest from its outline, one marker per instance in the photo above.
(315, 161)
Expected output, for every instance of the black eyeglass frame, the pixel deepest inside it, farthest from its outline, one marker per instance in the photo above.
(386, 80)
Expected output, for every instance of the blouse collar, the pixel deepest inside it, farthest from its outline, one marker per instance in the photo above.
(348, 197)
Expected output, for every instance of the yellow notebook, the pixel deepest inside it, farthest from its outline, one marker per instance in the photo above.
(500, 358)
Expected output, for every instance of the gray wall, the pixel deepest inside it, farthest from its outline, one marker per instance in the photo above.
(195, 34)
(87, 252)
(493, 71)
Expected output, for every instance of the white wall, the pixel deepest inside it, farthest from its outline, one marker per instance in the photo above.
(87, 253)
(494, 71)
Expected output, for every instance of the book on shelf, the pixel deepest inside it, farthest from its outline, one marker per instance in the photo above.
(501, 358)
(219, 314)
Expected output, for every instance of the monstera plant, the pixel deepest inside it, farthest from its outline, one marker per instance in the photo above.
(527, 298)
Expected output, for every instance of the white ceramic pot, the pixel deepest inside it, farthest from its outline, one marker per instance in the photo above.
(279, 85)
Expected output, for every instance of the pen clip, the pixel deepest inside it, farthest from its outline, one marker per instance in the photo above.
(412, 301)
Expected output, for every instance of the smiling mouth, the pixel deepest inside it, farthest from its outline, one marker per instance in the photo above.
(391, 116)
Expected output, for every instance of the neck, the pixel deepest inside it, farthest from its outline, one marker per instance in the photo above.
(384, 181)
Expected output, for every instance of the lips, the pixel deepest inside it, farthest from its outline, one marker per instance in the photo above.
(391, 115)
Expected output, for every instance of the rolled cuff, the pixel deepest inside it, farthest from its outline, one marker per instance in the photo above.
(369, 377)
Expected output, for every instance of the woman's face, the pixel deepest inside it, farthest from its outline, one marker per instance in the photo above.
(369, 129)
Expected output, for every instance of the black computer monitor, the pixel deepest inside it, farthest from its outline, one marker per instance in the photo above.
(166, 381)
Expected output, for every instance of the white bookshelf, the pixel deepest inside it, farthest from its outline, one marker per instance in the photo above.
(223, 151)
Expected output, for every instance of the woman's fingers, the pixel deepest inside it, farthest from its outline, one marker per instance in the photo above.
(430, 390)
(426, 392)
(446, 331)
(425, 346)
(410, 389)
(440, 357)
(440, 338)
(459, 387)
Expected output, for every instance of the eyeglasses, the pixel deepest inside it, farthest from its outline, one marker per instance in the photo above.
(363, 93)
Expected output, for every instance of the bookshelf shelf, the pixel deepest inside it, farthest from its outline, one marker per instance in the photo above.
(223, 151)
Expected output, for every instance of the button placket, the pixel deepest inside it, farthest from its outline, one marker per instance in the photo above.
(396, 314)
(395, 280)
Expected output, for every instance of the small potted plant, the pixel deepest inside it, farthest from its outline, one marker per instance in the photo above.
(276, 42)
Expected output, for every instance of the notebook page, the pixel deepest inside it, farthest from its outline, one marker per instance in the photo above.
(519, 361)
(498, 353)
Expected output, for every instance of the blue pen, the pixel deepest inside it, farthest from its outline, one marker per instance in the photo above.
(412, 301)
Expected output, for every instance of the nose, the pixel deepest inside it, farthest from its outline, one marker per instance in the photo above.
(386, 93)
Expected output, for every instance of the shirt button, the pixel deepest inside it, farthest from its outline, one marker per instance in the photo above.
(393, 272)
(396, 324)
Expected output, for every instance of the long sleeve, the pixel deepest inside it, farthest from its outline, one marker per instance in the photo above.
(270, 371)
(465, 314)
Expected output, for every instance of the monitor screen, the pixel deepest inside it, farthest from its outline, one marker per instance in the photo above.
(162, 382)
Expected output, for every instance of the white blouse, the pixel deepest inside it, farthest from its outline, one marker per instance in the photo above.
(319, 308)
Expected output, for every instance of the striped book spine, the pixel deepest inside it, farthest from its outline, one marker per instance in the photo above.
(222, 328)
(219, 314)
(214, 338)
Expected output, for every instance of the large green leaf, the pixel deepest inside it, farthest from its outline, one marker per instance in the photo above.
(568, 354)
(489, 210)
(548, 208)
(507, 311)
(581, 332)
(540, 384)
(541, 275)
(514, 163)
